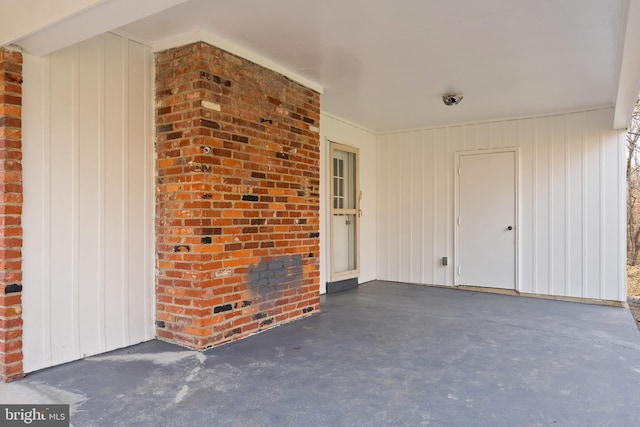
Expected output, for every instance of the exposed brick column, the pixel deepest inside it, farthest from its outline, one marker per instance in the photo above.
(10, 214)
(237, 197)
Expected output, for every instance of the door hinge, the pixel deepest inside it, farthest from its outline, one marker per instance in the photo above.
(458, 269)
(458, 220)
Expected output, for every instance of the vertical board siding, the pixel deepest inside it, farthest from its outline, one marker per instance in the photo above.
(570, 206)
(114, 188)
(138, 215)
(62, 216)
(90, 211)
(88, 263)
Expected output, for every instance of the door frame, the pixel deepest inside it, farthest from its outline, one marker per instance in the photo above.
(351, 274)
(516, 256)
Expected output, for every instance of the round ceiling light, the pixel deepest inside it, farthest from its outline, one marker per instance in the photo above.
(451, 98)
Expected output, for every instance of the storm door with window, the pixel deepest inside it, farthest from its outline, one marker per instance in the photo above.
(345, 263)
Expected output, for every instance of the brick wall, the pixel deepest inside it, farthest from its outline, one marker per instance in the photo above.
(10, 214)
(237, 197)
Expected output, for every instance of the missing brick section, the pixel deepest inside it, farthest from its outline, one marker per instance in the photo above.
(222, 308)
(182, 248)
(13, 288)
(160, 323)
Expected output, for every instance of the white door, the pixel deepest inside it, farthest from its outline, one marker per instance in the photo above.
(344, 212)
(486, 219)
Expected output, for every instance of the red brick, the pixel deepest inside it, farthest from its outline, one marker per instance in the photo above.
(10, 358)
(10, 212)
(207, 243)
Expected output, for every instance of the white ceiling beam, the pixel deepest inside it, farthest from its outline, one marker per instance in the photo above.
(22, 18)
(629, 63)
(81, 23)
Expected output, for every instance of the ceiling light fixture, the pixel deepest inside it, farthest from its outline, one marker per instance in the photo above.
(451, 98)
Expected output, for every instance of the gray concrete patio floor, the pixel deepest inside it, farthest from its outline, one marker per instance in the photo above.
(385, 354)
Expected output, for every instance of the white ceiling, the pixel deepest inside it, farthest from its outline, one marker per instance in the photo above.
(385, 64)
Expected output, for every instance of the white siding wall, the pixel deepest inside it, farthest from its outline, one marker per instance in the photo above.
(336, 130)
(571, 202)
(88, 188)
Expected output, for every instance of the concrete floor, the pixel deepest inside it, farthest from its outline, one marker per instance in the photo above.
(385, 354)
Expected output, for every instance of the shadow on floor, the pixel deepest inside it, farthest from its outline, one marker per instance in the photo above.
(384, 354)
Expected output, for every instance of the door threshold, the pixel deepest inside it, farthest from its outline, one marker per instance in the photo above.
(342, 285)
(489, 290)
(579, 300)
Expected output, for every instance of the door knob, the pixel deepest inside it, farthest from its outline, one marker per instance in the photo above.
(509, 228)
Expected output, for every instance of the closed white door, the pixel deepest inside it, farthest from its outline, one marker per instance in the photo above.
(486, 219)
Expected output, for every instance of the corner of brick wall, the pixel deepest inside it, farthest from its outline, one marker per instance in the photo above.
(237, 197)
(10, 214)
